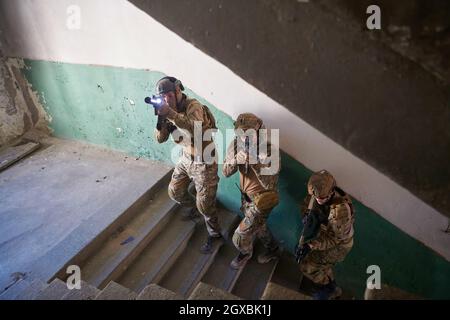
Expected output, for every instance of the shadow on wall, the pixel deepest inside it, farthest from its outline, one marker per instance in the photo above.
(417, 29)
(425, 18)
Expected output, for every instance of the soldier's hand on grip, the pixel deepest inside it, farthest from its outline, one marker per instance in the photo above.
(301, 251)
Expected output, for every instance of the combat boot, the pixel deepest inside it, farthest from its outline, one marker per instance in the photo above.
(206, 248)
(329, 291)
(269, 255)
(240, 260)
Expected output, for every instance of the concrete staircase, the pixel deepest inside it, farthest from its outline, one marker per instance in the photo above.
(276, 285)
(112, 252)
(133, 243)
(152, 252)
(57, 289)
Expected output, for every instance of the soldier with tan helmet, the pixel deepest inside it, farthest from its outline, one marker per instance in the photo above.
(259, 193)
(180, 115)
(327, 236)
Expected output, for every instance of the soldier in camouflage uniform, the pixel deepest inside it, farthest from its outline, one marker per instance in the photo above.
(179, 114)
(335, 236)
(259, 194)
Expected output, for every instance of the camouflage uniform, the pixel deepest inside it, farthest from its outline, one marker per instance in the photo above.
(204, 175)
(254, 223)
(334, 241)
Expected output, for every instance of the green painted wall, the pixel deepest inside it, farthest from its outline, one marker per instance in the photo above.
(91, 102)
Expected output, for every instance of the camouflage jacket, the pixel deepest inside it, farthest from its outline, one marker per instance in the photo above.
(189, 111)
(230, 167)
(339, 230)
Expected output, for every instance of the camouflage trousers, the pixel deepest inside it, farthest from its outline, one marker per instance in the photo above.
(254, 225)
(318, 265)
(205, 179)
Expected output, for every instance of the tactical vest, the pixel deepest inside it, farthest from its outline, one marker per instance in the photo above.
(342, 199)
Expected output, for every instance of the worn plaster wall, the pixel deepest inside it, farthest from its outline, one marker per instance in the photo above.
(20, 110)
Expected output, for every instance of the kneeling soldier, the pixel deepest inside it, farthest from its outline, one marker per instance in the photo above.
(258, 189)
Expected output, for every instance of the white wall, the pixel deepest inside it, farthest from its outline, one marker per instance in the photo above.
(116, 33)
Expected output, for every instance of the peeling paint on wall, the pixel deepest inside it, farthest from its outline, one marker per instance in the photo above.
(20, 110)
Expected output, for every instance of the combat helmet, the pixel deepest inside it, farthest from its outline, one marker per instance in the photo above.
(168, 84)
(321, 184)
(248, 121)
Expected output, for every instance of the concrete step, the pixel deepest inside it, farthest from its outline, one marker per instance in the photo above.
(387, 292)
(55, 291)
(254, 277)
(86, 292)
(115, 256)
(114, 291)
(159, 255)
(14, 290)
(12, 154)
(220, 274)
(248, 282)
(192, 264)
(274, 291)
(36, 287)
(137, 220)
(287, 275)
(204, 291)
(287, 272)
(156, 292)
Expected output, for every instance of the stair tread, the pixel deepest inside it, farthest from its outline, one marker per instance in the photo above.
(115, 291)
(254, 277)
(86, 292)
(55, 291)
(131, 209)
(275, 291)
(159, 255)
(387, 292)
(36, 286)
(12, 154)
(287, 272)
(140, 230)
(16, 289)
(221, 266)
(204, 291)
(192, 264)
(156, 292)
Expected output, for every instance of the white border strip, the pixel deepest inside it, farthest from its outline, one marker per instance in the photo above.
(119, 34)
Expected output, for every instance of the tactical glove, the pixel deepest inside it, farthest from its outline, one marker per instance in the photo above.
(301, 252)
